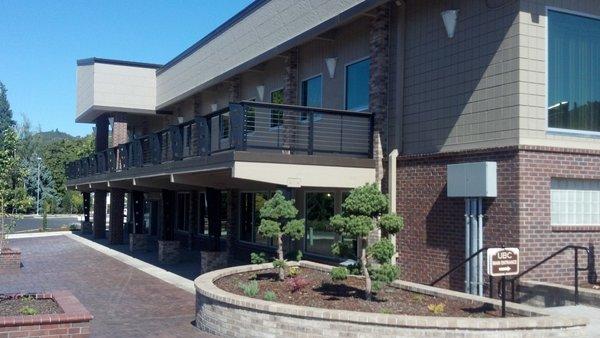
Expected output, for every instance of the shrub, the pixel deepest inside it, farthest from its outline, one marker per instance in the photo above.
(364, 210)
(298, 283)
(437, 309)
(382, 251)
(270, 296)
(294, 271)
(339, 273)
(250, 289)
(28, 311)
(385, 273)
(73, 227)
(278, 218)
(386, 311)
(279, 263)
(258, 258)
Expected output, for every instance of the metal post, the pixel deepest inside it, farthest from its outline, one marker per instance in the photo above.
(503, 282)
(576, 276)
(467, 247)
(311, 132)
(491, 286)
(37, 208)
(479, 246)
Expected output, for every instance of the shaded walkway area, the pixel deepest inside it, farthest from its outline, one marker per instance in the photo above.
(125, 302)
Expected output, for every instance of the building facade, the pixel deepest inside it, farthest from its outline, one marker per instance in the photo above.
(316, 98)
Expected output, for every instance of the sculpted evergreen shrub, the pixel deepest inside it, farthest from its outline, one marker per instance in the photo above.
(364, 210)
(278, 218)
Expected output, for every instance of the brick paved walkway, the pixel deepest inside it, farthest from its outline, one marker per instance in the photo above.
(125, 302)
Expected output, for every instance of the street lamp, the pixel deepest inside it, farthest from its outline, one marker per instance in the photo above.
(37, 209)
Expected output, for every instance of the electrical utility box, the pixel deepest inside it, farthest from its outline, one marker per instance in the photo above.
(476, 179)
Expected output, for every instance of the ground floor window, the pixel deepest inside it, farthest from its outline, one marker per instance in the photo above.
(184, 211)
(575, 202)
(202, 225)
(319, 235)
(250, 205)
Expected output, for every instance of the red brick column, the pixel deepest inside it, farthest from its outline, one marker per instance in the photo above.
(119, 132)
(290, 96)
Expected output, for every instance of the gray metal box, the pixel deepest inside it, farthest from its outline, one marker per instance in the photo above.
(477, 179)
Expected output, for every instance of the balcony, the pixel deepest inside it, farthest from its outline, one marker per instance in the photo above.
(250, 128)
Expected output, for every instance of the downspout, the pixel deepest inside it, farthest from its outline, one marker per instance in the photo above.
(392, 176)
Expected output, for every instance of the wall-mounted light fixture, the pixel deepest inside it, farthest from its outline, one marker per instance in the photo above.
(331, 63)
(450, 17)
(213, 107)
(180, 119)
(260, 90)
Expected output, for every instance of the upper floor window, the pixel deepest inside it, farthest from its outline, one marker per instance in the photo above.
(311, 94)
(276, 114)
(357, 85)
(573, 72)
(224, 125)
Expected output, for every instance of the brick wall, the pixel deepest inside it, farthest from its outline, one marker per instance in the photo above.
(433, 238)
(538, 237)
(10, 260)
(67, 330)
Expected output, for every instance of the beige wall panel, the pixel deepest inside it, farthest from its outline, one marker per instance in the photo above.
(532, 83)
(460, 93)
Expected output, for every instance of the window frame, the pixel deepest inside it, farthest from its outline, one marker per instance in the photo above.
(345, 103)
(304, 241)
(252, 241)
(272, 128)
(317, 116)
(565, 131)
(569, 180)
(187, 214)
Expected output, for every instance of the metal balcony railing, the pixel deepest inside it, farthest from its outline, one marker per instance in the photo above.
(245, 126)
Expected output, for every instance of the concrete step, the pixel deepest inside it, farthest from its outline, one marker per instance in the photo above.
(589, 312)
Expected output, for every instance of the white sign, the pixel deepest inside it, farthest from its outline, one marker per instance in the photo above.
(502, 261)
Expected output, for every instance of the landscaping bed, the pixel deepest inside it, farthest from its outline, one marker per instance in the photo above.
(318, 290)
(17, 305)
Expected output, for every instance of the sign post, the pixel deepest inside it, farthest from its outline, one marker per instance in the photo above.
(503, 262)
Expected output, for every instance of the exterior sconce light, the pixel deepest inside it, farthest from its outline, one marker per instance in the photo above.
(180, 119)
(260, 90)
(213, 107)
(331, 63)
(450, 17)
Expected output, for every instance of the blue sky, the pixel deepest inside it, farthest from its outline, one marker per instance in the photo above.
(40, 42)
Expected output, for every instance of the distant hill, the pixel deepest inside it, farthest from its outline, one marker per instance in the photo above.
(47, 137)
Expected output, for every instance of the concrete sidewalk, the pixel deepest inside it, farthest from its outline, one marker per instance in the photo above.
(589, 312)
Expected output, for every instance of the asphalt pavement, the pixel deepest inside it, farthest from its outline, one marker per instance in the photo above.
(29, 223)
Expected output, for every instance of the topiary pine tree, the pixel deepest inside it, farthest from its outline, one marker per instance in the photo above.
(364, 210)
(278, 218)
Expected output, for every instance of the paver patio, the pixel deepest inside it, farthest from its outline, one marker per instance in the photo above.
(125, 302)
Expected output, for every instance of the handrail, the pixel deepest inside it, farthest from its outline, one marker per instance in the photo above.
(458, 266)
(576, 267)
(304, 108)
(124, 156)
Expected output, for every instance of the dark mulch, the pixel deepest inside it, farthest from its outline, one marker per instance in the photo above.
(13, 305)
(349, 295)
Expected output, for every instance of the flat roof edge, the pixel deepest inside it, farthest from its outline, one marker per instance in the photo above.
(91, 61)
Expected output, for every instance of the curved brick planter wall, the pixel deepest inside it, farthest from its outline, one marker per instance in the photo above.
(223, 313)
(73, 322)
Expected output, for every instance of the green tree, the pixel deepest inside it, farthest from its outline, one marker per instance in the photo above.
(278, 218)
(364, 210)
(8, 160)
(6, 115)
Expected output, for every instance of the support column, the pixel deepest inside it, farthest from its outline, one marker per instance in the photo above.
(117, 205)
(234, 89)
(379, 41)
(119, 132)
(290, 96)
(168, 247)
(101, 133)
(233, 214)
(138, 239)
(99, 214)
(86, 225)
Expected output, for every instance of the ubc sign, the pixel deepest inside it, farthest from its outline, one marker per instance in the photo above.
(503, 261)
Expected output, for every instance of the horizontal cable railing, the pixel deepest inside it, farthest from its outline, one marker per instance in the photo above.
(247, 126)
